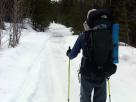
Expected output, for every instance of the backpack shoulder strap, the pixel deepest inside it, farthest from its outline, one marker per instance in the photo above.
(88, 44)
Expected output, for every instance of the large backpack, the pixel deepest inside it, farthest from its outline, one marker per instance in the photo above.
(98, 46)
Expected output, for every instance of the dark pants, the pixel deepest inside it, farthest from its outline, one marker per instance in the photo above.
(99, 91)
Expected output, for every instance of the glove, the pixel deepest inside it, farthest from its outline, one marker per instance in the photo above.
(68, 51)
(107, 76)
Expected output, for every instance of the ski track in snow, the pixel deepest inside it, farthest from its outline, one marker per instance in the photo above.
(31, 81)
(46, 80)
(50, 81)
(52, 85)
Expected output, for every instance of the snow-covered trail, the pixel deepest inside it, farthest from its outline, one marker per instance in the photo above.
(37, 70)
(31, 81)
(52, 82)
(47, 80)
(46, 77)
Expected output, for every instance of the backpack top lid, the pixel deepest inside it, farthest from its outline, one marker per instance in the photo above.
(96, 15)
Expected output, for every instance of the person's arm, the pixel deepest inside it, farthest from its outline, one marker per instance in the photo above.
(77, 46)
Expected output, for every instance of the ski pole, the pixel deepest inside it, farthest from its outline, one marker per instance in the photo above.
(109, 90)
(69, 81)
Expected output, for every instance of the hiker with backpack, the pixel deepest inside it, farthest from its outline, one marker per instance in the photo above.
(97, 61)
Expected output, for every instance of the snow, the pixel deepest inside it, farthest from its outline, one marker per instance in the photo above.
(58, 30)
(37, 69)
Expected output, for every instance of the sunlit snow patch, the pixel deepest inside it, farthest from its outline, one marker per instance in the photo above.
(58, 30)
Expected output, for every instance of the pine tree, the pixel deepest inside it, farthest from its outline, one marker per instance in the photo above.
(40, 14)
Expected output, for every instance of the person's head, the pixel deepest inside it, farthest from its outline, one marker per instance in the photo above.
(85, 24)
(94, 15)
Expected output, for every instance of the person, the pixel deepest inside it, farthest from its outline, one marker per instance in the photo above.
(89, 83)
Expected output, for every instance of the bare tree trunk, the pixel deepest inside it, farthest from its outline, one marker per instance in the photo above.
(16, 26)
(2, 4)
